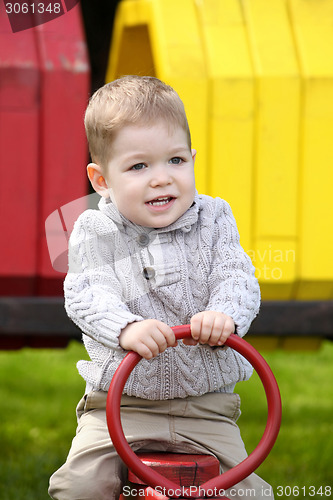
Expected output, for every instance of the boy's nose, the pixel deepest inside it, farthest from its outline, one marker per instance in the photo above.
(160, 177)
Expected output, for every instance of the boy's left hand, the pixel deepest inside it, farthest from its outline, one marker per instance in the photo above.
(210, 327)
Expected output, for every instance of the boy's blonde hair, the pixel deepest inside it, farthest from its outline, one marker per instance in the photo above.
(127, 101)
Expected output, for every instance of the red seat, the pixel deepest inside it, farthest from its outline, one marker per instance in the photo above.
(185, 470)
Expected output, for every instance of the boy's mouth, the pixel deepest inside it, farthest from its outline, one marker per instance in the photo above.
(159, 202)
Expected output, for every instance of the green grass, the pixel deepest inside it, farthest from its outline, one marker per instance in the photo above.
(39, 390)
(302, 455)
(38, 393)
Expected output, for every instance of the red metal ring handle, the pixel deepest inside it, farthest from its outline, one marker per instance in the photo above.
(227, 479)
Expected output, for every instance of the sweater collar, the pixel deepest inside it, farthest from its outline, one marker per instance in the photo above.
(185, 222)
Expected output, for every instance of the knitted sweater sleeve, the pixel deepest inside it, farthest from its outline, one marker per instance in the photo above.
(93, 297)
(234, 290)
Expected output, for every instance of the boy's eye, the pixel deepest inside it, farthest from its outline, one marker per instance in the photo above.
(176, 160)
(138, 166)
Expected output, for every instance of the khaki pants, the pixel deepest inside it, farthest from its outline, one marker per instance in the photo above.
(199, 425)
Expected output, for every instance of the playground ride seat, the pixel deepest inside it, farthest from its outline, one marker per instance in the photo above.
(146, 469)
(187, 470)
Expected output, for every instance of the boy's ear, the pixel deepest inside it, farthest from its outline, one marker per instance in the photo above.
(194, 154)
(97, 179)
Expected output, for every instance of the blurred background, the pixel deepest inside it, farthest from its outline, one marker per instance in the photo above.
(256, 78)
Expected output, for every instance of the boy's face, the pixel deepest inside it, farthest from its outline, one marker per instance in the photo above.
(150, 176)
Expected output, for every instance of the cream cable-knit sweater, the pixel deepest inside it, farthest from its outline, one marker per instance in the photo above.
(120, 272)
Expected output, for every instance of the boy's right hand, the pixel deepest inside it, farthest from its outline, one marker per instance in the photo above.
(148, 337)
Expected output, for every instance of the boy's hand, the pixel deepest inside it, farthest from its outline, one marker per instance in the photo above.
(210, 327)
(148, 337)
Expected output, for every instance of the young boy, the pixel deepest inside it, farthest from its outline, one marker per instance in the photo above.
(156, 254)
